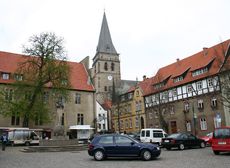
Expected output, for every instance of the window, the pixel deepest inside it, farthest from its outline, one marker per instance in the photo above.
(126, 123)
(210, 82)
(189, 89)
(5, 76)
(63, 119)
(122, 140)
(112, 66)
(199, 85)
(150, 115)
(122, 124)
(203, 124)
(200, 104)
(80, 119)
(199, 71)
(15, 119)
(171, 110)
(186, 107)
(105, 88)
(106, 140)
(9, 94)
(188, 126)
(130, 123)
(147, 133)
(179, 78)
(157, 134)
(18, 77)
(77, 98)
(213, 102)
(106, 66)
(137, 122)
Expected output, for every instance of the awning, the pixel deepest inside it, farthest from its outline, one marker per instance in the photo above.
(80, 127)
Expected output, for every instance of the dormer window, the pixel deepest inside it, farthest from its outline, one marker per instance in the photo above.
(5, 76)
(159, 85)
(199, 71)
(177, 79)
(18, 77)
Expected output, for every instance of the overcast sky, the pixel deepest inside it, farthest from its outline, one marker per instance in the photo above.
(148, 34)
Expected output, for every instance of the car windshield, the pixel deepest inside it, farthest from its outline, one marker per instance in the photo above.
(174, 136)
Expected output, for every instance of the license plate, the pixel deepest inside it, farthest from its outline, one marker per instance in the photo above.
(166, 140)
(222, 143)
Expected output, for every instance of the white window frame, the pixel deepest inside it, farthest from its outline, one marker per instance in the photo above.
(200, 104)
(188, 126)
(199, 85)
(203, 124)
(5, 76)
(213, 102)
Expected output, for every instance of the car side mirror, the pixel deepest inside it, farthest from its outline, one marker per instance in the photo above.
(132, 143)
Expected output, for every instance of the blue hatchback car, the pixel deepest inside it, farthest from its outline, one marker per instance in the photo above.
(116, 145)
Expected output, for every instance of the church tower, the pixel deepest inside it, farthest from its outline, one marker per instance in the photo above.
(106, 65)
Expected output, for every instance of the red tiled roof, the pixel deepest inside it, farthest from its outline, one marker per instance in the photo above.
(78, 74)
(107, 105)
(190, 64)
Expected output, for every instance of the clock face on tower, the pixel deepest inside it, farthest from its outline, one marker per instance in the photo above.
(110, 77)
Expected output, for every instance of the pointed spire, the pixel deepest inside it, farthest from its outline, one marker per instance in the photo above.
(105, 43)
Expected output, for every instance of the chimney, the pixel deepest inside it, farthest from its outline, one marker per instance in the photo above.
(144, 77)
(205, 51)
(178, 59)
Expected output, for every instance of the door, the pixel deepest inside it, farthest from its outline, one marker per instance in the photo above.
(125, 146)
(173, 126)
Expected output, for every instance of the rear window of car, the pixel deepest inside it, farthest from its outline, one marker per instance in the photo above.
(173, 135)
(222, 133)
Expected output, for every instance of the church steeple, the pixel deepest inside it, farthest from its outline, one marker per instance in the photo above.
(105, 44)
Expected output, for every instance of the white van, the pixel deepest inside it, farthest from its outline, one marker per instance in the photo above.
(152, 135)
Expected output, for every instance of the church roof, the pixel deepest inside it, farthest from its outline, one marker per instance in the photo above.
(105, 43)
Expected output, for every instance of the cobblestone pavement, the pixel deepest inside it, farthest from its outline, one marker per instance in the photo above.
(191, 158)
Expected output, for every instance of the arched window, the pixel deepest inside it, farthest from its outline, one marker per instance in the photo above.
(106, 66)
(112, 66)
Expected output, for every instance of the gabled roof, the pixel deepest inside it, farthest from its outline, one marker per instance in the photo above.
(79, 77)
(213, 56)
(105, 44)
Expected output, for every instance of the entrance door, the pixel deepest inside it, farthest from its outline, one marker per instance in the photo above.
(173, 126)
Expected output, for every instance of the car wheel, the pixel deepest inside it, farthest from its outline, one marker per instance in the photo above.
(202, 144)
(99, 155)
(168, 148)
(216, 152)
(146, 155)
(27, 143)
(181, 146)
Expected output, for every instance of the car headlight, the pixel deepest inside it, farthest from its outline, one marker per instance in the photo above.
(157, 148)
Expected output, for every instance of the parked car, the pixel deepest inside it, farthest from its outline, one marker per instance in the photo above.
(152, 135)
(221, 140)
(181, 141)
(116, 145)
(207, 138)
